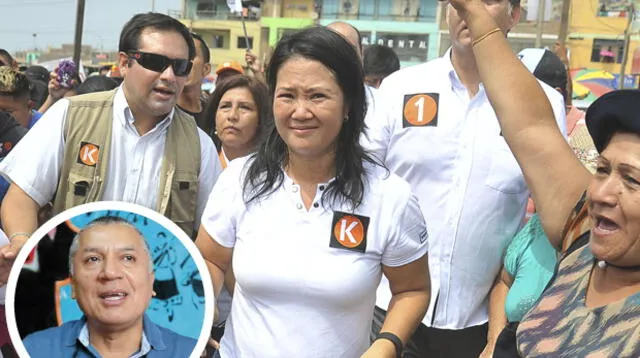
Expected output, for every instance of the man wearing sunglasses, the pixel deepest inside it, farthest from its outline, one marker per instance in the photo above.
(130, 144)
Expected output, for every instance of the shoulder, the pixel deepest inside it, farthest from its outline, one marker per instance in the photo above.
(386, 185)
(206, 144)
(55, 336)
(176, 342)
(412, 73)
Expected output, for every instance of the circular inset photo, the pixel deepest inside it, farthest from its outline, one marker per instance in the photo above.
(109, 279)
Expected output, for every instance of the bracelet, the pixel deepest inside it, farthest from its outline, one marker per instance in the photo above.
(477, 41)
(16, 234)
(394, 339)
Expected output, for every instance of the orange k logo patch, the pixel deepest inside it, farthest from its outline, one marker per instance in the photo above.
(349, 231)
(420, 110)
(88, 154)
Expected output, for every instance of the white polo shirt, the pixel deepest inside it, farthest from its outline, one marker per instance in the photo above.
(306, 280)
(134, 160)
(470, 188)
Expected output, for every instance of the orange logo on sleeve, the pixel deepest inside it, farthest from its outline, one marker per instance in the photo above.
(420, 110)
(349, 231)
(88, 154)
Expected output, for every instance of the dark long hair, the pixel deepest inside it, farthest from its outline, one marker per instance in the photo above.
(261, 98)
(264, 175)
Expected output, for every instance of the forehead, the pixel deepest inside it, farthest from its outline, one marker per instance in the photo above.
(303, 71)
(111, 236)
(164, 42)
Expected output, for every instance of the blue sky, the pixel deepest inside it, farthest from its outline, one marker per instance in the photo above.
(53, 21)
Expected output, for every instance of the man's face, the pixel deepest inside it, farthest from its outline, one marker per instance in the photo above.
(151, 93)
(112, 281)
(200, 68)
(18, 107)
(502, 12)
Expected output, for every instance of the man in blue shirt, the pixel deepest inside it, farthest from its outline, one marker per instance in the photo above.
(112, 280)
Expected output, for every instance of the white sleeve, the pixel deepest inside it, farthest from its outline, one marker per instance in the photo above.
(34, 164)
(409, 235)
(558, 106)
(210, 170)
(377, 134)
(224, 206)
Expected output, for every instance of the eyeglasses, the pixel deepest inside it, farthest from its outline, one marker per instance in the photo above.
(159, 63)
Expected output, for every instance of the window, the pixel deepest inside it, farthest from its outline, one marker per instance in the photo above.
(242, 42)
(607, 51)
(220, 39)
(205, 7)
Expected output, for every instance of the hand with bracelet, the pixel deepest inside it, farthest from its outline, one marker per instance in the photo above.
(387, 345)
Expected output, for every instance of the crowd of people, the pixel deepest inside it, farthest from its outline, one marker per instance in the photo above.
(346, 207)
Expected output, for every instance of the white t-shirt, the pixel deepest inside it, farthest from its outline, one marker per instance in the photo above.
(4, 240)
(134, 161)
(300, 292)
(449, 147)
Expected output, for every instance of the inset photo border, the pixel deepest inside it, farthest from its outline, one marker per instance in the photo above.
(39, 290)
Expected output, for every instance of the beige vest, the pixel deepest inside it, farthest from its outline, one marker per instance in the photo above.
(87, 134)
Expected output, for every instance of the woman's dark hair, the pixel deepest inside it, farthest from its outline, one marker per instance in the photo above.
(265, 175)
(260, 95)
(96, 84)
(130, 35)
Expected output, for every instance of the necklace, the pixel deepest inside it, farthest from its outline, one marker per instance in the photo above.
(602, 264)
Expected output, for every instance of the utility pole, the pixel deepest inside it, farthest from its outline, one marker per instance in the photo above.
(540, 22)
(153, 5)
(77, 43)
(627, 40)
(564, 22)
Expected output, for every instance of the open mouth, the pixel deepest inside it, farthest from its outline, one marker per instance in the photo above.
(605, 225)
(164, 92)
(113, 296)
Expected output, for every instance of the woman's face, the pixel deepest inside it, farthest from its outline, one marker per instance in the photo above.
(614, 202)
(237, 119)
(308, 107)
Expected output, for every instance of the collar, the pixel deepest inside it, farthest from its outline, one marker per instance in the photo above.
(122, 111)
(151, 335)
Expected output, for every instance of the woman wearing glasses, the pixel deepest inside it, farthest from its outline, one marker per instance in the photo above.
(312, 222)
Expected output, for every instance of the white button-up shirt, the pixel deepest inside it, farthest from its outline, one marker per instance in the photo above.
(470, 187)
(134, 160)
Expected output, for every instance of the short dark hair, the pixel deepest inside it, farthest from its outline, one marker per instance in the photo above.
(260, 94)
(5, 53)
(380, 61)
(130, 35)
(37, 72)
(206, 54)
(38, 92)
(96, 84)
(320, 44)
(13, 83)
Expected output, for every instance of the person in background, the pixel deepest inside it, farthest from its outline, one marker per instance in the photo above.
(379, 62)
(57, 92)
(7, 60)
(10, 134)
(312, 221)
(96, 84)
(39, 73)
(240, 110)
(191, 100)
(254, 65)
(228, 69)
(435, 126)
(15, 97)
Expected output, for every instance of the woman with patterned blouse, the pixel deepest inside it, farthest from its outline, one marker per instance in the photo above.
(592, 308)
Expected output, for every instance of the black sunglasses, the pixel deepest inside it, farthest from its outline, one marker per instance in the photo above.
(159, 63)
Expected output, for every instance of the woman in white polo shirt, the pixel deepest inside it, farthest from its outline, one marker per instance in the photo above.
(312, 222)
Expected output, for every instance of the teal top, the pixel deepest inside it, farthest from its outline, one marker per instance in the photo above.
(530, 260)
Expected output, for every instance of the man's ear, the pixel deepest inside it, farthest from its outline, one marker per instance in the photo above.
(123, 62)
(206, 69)
(73, 289)
(32, 104)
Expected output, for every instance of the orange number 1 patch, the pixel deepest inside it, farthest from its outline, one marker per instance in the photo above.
(420, 110)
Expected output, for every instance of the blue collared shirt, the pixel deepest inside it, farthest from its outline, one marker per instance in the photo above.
(72, 340)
